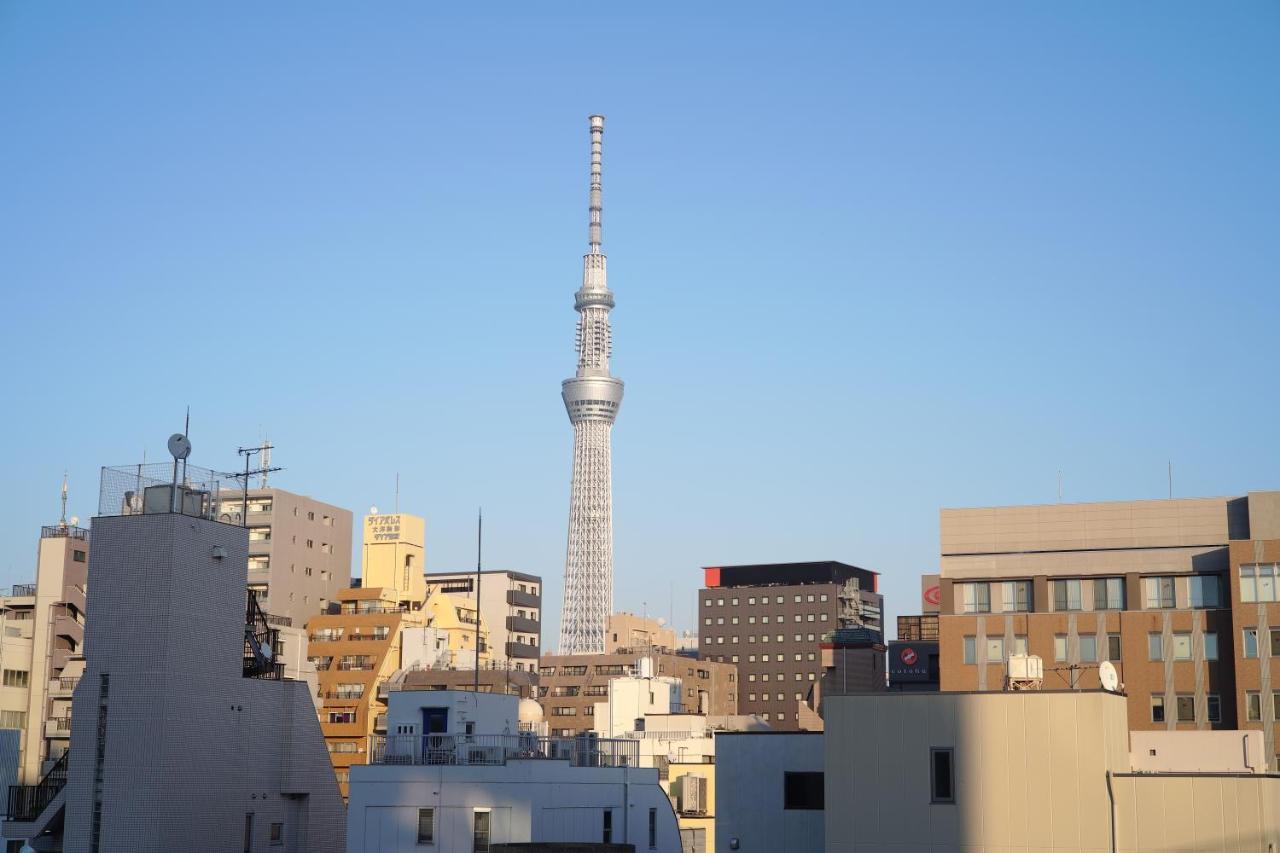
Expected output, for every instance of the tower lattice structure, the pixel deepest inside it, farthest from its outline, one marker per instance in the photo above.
(592, 398)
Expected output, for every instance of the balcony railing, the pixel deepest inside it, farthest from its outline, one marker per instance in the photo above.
(495, 750)
(60, 724)
(22, 589)
(522, 650)
(523, 624)
(365, 637)
(342, 694)
(516, 598)
(354, 666)
(26, 802)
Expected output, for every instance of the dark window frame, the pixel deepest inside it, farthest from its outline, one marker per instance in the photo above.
(942, 794)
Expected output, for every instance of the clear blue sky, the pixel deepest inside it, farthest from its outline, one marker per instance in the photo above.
(870, 260)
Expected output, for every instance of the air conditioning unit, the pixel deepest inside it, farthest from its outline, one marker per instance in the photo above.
(692, 794)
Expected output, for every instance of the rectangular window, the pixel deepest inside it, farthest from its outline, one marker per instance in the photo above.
(606, 829)
(1253, 706)
(943, 778)
(1066, 594)
(970, 650)
(1186, 709)
(1020, 644)
(1089, 648)
(480, 833)
(995, 649)
(1250, 644)
(802, 791)
(1060, 648)
(1182, 647)
(653, 829)
(1275, 642)
(1214, 708)
(1205, 591)
(16, 678)
(1155, 647)
(1159, 593)
(1113, 647)
(1157, 709)
(78, 556)
(1210, 646)
(975, 598)
(1258, 581)
(1015, 596)
(426, 826)
(1108, 594)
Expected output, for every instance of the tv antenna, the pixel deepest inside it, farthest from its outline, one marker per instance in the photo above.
(261, 471)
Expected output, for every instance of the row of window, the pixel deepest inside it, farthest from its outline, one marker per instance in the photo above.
(1260, 582)
(751, 638)
(782, 676)
(1068, 594)
(764, 620)
(780, 658)
(1185, 708)
(781, 697)
(1089, 648)
(764, 599)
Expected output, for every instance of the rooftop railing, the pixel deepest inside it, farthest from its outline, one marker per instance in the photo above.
(21, 589)
(497, 750)
(61, 530)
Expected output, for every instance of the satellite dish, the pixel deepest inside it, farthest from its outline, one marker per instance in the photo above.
(75, 519)
(1107, 675)
(179, 446)
(662, 620)
(373, 510)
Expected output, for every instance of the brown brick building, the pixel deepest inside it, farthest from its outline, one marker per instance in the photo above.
(570, 685)
(1180, 595)
(770, 620)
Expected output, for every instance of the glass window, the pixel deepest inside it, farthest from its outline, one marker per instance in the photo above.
(1182, 647)
(1066, 594)
(1214, 708)
(1159, 592)
(1089, 647)
(1015, 596)
(943, 779)
(1258, 581)
(1186, 709)
(1113, 647)
(1060, 647)
(1155, 647)
(1250, 644)
(1253, 706)
(1210, 646)
(1020, 644)
(1205, 591)
(480, 833)
(1108, 594)
(1275, 642)
(426, 826)
(970, 650)
(1157, 709)
(995, 649)
(653, 829)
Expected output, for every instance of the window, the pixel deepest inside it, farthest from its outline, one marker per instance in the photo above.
(16, 678)
(1205, 591)
(653, 829)
(822, 597)
(1253, 706)
(1258, 582)
(13, 719)
(1066, 594)
(802, 791)
(606, 829)
(1088, 648)
(1275, 642)
(1182, 646)
(970, 650)
(995, 649)
(796, 599)
(779, 601)
(1015, 596)
(1020, 644)
(342, 716)
(1275, 706)
(480, 833)
(943, 778)
(1157, 709)
(78, 556)
(975, 598)
(734, 602)
(1186, 709)
(1113, 647)
(751, 600)
(1250, 642)
(1214, 708)
(1155, 647)
(1060, 647)
(1108, 594)
(276, 835)
(1210, 646)
(1159, 592)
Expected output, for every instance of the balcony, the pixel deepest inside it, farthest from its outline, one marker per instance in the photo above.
(497, 750)
(524, 625)
(522, 650)
(516, 598)
(62, 688)
(58, 727)
(380, 723)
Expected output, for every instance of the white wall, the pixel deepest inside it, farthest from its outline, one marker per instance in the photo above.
(631, 698)
(749, 787)
(492, 713)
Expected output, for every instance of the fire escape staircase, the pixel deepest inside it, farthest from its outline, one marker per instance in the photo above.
(260, 643)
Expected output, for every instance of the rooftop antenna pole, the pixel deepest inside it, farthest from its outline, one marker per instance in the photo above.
(397, 493)
(248, 453)
(62, 522)
(1059, 485)
(266, 460)
(479, 542)
(1170, 479)
(186, 430)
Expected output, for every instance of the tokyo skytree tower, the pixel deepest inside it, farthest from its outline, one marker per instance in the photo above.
(592, 398)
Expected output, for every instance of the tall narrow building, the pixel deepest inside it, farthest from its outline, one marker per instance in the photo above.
(592, 398)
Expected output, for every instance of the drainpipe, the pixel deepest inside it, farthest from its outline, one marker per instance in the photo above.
(1111, 798)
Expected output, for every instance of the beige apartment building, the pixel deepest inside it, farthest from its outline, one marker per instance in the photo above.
(41, 650)
(1180, 595)
(626, 631)
(511, 605)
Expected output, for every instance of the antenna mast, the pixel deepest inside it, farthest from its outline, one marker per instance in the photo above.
(62, 522)
(479, 542)
(263, 470)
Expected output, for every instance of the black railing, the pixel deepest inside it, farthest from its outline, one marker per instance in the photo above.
(59, 531)
(259, 643)
(26, 802)
(23, 589)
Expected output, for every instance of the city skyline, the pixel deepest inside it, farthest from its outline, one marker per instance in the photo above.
(901, 275)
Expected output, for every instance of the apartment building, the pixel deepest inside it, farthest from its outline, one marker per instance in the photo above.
(1180, 595)
(571, 685)
(511, 604)
(630, 631)
(299, 550)
(769, 620)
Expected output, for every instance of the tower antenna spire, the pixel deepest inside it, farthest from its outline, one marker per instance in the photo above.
(62, 522)
(594, 205)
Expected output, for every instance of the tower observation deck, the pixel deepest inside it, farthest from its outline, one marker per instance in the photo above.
(592, 398)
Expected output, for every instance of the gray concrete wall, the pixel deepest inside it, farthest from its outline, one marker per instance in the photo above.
(750, 769)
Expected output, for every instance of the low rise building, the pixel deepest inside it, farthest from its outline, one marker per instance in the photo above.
(571, 685)
(988, 771)
(629, 631)
(511, 605)
(463, 771)
(769, 792)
